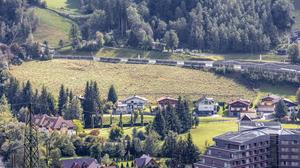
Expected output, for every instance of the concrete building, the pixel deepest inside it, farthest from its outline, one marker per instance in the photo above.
(255, 145)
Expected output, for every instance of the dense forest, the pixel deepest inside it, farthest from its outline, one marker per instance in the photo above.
(215, 25)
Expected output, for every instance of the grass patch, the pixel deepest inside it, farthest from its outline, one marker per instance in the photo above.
(126, 119)
(104, 132)
(150, 81)
(51, 28)
(67, 6)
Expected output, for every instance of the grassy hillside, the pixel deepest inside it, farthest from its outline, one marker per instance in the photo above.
(151, 81)
(68, 6)
(52, 27)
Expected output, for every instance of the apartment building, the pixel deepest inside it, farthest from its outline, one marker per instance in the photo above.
(255, 145)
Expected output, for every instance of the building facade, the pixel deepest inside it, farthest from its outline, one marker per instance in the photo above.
(206, 106)
(255, 145)
(236, 107)
(163, 102)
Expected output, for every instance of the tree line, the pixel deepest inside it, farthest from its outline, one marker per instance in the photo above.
(89, 109)
(218, 26)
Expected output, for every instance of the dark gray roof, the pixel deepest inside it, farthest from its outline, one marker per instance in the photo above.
(89, 162)
(251, 130)
(142, 161)
(246, 125)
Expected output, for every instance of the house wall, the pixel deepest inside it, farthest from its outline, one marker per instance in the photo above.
(134, 103)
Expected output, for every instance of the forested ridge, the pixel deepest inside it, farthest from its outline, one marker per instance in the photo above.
(215, 25)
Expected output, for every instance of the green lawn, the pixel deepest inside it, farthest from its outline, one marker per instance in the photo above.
(126, 119)
(104, 132)
(203, 135)
(51, 27)
(67, 6)
(150, 81)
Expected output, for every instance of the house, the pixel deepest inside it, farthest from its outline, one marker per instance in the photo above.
(145, 161)
(121, 108)
(236, 107)
(49, 124)
(251, 113)
(80, 163)
(266, 108)
(292, 106)
(256, 144)
(206, 106)
(135, 103)
(165, 101)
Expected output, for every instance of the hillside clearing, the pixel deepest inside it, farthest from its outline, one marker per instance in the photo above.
(150, 81)
(68, 6)
(51, 28)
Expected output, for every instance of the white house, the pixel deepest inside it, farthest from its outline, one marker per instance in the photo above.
(206, 106)
(121, 108)
(134, 103)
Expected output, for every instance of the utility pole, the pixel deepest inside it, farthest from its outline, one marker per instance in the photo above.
(31, 150)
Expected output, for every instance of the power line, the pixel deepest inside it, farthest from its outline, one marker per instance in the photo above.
(31, 150)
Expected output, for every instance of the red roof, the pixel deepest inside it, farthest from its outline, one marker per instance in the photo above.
(166, 98)
(243, 101)
(54, 123)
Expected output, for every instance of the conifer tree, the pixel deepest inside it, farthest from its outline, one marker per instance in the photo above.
(172, 121)
(26, 95)
(74, 36)
(280, 109)
(62, 99)
(169, 145)
(159, 124)
(192, 152)
(112, 95)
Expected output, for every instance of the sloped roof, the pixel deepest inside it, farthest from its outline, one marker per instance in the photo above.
(243, 101)
(290, 102)
(166, 98)
(54, 123)
(88, 162)
(135, 96)
(274, 97)
(142, 161)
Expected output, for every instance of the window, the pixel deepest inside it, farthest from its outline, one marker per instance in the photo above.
(294, 156)
(284, 149)
(284, 163)
(284, 142)
(294, 163)
(295, 149)
(284, 156)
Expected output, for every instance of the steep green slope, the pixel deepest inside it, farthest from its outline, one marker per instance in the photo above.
(51, 28)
